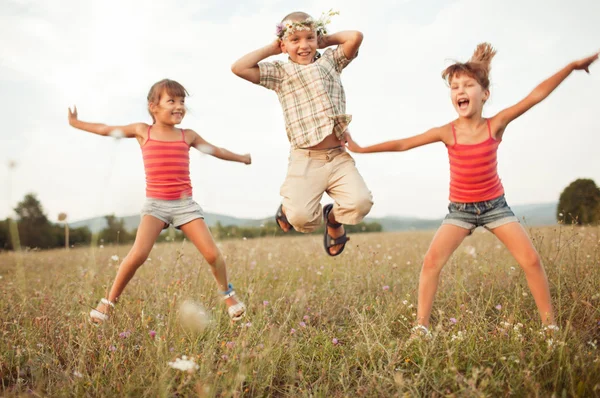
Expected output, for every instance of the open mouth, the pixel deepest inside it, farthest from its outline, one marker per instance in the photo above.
(463, 103)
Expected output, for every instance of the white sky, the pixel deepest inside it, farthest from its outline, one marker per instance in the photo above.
(104, 56)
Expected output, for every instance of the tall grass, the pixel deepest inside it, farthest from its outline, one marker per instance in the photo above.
(316, 325)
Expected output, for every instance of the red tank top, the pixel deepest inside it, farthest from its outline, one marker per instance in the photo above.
(167, 167)
(473, 170)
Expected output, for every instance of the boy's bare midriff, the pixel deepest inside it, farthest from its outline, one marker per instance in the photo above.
(331, 141)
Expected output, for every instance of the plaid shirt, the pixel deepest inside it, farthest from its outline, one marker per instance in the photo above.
(312, 96)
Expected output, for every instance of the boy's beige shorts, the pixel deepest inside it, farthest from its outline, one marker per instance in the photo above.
(314, 172)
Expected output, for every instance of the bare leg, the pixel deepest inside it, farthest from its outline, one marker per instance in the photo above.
(519, 245)
(147, 233)
(200, 235)
(446, 240)
(334, 233)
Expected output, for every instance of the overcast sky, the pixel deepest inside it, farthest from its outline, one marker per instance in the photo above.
(104, 56)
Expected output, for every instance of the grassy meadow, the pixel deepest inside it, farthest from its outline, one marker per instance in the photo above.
(316, 325)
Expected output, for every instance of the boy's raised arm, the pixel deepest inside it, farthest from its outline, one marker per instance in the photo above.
(247, 66)
(350, 40)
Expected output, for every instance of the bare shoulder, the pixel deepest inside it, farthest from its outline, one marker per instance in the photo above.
(190, 136)
(497, 126)
(445, 133)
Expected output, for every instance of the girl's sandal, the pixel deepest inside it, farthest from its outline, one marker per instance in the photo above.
(420, 331)
(236, 311)
(97, 317)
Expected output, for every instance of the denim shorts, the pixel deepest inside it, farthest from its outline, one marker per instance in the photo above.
(489, 214)
(177, 212)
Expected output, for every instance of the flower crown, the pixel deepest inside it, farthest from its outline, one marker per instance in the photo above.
(288, 27)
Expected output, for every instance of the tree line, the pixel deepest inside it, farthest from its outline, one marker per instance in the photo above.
(579, 203)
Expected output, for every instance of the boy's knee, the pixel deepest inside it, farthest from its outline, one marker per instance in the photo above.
(363, 205)
(302, 220)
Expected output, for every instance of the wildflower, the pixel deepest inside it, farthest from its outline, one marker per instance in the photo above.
(386, 287)
(152, 333)
(499, 307)
(184, 364)
(112, 348)
(302, 324)
(115, 257)
(453, 320)
(248, 324)
(265, 303)
(404, 302)
(292, 331)
(230, 344)
(124, 335)
(335, 341)
(459, 336)
(77, 374)
(593, 344)
(306, 317)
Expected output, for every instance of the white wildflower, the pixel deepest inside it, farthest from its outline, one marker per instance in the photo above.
(459, 336)
(184, 364)
(593, 344)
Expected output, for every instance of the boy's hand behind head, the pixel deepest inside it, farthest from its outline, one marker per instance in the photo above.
(276, 47)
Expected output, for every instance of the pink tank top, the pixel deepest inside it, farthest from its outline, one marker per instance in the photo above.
(473, 170)
(167, 167)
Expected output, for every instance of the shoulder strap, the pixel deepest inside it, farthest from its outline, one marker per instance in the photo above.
(454, 133)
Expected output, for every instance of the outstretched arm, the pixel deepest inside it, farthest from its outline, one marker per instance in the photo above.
(247, 66)
(428, 137)
(221, 153)
(129, 131)
(350, 40)
(503, 118)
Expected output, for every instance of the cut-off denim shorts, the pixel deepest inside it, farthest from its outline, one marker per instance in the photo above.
(176, 212)
(489, 214)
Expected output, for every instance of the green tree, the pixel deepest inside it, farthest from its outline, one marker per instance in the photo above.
(5, 243)
(34, 228)
(115, 231)
(579, 203)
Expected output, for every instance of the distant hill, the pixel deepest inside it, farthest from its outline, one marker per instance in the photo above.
(539, 214)
(131, 222)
